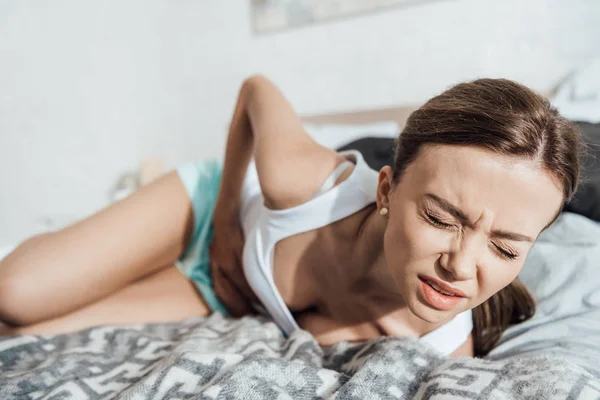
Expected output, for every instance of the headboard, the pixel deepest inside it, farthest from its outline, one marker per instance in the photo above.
(398, 114)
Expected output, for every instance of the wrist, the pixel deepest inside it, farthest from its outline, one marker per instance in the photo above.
(226, 211)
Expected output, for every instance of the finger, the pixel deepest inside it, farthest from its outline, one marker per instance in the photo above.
(246, 297)
(235, 274)
(237, 284)
(230, 295)
(244, 285)
(234, 271)
(220, 287)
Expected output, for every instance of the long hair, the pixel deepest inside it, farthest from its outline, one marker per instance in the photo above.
(509, 119)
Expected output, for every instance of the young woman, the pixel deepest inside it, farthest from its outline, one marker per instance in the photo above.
(316, 238)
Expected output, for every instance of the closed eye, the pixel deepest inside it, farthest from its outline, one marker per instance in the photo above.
(506, 254)
(437, 222)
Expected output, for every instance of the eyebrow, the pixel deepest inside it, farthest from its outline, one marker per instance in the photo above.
(452, 209)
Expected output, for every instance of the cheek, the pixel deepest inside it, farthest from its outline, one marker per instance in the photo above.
(411, 238)
(408, 242)
(494, 277)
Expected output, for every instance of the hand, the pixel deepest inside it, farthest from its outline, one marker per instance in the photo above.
(225, 252)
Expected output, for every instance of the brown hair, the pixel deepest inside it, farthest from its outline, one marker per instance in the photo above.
(506, 118)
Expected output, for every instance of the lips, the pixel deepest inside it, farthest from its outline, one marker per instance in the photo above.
(434, 293)
(442, 287)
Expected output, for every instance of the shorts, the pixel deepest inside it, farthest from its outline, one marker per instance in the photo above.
(201, 180)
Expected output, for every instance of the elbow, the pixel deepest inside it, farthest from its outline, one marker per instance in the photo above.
(254, 80)
(252, 83)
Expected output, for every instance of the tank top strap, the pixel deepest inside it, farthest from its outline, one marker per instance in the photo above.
(356, 192)
(333, 177)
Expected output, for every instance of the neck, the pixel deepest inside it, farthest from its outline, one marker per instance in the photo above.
(375, 276)
(368, 247)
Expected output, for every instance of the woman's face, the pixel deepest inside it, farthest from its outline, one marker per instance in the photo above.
(465, 217)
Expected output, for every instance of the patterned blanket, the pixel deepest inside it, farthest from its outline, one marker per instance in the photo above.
(221, 358)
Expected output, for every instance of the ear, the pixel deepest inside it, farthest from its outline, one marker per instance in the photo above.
(384, 187)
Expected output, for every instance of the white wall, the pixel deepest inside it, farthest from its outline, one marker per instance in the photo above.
(90, 88)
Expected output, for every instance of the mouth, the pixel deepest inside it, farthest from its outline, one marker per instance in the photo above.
(439, 294)
(441, 287)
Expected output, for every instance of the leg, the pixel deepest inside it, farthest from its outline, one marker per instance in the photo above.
(164, 296)
(56, 273)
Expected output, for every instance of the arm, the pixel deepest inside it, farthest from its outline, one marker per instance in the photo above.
(291, 167)
(238, 151)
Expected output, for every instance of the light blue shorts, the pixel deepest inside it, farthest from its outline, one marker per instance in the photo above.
(201, 180)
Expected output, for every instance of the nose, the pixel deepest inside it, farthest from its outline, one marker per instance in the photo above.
(461, 259)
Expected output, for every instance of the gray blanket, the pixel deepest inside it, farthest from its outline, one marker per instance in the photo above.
(556, 354)
(220, 358)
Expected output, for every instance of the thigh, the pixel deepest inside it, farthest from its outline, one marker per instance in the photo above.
(56, 273)
(164, 296)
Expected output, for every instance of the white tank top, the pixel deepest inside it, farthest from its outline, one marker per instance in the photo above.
(264, 227)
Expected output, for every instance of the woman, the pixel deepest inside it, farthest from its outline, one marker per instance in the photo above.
(330, 245)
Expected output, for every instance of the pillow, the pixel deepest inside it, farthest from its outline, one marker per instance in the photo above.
(562, 272)
(377, 152)
(578, 96)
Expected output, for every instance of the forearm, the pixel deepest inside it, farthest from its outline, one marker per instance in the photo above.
(238, 152)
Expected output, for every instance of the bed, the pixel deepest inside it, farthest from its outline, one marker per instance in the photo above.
(556, 354)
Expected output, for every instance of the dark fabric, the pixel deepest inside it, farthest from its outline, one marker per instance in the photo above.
(587, 199)
(380, 151)
(377, 151)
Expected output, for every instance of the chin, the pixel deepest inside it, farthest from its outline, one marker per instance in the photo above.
(429, 314)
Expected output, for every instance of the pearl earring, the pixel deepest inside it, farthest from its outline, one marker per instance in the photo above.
(383, 212)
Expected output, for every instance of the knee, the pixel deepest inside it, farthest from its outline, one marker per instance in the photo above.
(13, 302)
(17, 289)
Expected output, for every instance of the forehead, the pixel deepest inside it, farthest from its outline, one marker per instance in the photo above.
(510, 193)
